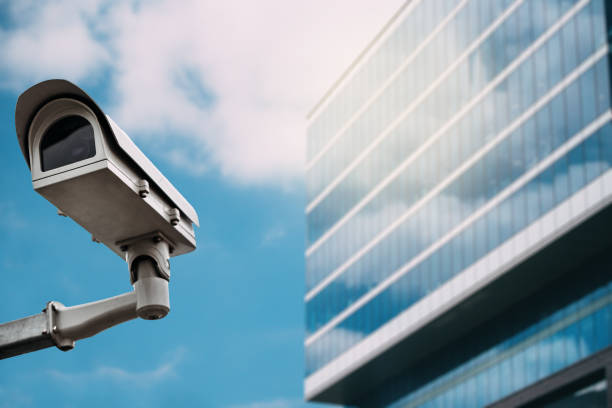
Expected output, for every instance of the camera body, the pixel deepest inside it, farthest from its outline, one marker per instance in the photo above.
(86, 166)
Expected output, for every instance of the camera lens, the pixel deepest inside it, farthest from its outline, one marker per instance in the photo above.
(67, 141)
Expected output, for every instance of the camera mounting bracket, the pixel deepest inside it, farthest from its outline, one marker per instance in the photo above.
(62, 326)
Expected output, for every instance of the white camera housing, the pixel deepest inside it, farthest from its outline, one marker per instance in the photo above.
(86, 166)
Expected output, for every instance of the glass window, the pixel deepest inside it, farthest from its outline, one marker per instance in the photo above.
(68, 140)
(584, 31)
(544, 356)
(530, 142)
(545, 142)
(558, 351)
(493, 379)
(587, 344)
(480, 229)
(508, 210)
(576, 168)
(593, 395)
(510, 28)
(471, 393)
(555, 61)
(514, 95)
(561, 179)
(546, 184)
(467, 241)
(571, 338)
(603, 86)
(558, 125)
(501, 106)
(445, 262)
(533, 201)
(525, 26)
(605, 143)
(506, 377)
(457, 256)
(492, 222)
(541, 72)
(589, 99)
(572, 98)
(592, 164)
(527, 87)
(568, 36)
(491, 177)
(599, 22)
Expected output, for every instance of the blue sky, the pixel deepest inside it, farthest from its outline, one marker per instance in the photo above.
(216, 94)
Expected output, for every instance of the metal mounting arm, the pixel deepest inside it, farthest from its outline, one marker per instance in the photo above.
(61, 326)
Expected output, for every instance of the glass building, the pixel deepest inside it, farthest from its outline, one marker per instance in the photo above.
(459, 217)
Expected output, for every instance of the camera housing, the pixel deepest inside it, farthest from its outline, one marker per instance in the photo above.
(86, 166)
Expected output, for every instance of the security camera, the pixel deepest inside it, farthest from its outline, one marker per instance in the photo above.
(88, 168)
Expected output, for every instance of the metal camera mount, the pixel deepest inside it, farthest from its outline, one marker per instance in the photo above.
(84, 164)
(148, 261)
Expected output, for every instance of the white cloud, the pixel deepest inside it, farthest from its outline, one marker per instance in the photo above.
(227, 84)
(192, 162)
(14, 397)
(147, 378)
(272, 235)
(50, 42)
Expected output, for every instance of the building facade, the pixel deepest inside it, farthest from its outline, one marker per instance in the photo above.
(459, 226)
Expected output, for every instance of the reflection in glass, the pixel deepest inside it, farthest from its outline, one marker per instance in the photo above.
(540, 130)
(591, 396)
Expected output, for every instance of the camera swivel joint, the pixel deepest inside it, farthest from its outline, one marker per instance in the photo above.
(148, 260)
